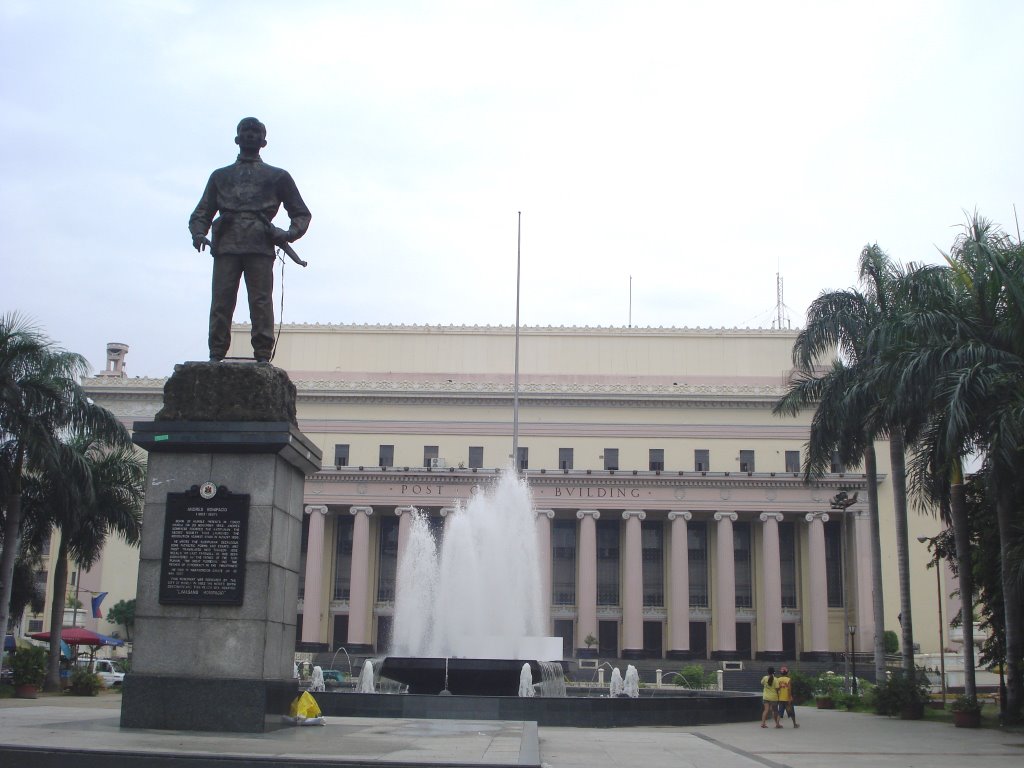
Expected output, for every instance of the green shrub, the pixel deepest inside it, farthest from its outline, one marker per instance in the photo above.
(29, 666)
(693, 676)
(891, 642)
(898, 691)
(828, 684)
(963, 704)
(848, 701)
(801, 686)
(85, 683)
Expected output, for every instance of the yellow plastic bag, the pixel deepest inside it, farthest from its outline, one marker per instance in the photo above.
(304, 706)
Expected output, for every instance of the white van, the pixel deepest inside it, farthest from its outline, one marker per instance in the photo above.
(108, 671)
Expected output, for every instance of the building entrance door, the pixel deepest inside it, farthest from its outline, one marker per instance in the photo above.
(743, 645)
(563, 629)
(789, 639)
(652, 639)
(608, 639)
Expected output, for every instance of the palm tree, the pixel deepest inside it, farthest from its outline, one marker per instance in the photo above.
(970, 348)
(39, 398)
(935, 476)
(894, 417)
(98, 491)
(860, 409)
(36, 387)
(840, 321)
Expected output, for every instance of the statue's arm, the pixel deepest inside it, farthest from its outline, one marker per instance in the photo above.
(202, 217)
(295, 207)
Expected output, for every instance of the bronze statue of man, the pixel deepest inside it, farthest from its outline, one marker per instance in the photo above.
(247, 195)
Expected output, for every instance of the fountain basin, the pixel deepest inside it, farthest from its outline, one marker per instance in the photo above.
(465, 677)
(654, 707)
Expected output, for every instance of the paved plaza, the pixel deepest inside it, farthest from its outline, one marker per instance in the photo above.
(89, 729)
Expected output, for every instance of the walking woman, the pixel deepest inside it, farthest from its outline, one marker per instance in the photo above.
(770, 698)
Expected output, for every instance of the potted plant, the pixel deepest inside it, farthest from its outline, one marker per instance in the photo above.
(29, 671)
(914, 693)
(827, 687)
(966, 712)
(590, 641)
(84, 682)
(903, 695)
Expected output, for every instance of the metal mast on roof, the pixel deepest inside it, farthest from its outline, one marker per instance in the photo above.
(515, 383)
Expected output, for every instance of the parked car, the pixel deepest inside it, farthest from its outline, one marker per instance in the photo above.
(107, 669)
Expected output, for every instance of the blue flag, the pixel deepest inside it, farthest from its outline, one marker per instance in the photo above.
(96, 600)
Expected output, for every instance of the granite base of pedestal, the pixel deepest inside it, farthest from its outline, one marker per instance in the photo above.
(218, 575)
(179, 703)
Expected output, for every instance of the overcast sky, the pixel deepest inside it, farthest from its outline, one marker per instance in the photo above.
(699, 148)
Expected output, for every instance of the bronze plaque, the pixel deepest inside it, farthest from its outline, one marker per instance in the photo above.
(203, 559)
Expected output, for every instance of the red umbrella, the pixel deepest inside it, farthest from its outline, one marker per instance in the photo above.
(78, 636)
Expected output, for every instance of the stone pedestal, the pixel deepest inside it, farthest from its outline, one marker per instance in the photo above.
(203, 666)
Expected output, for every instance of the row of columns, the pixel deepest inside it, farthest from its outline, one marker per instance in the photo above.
(815, 609)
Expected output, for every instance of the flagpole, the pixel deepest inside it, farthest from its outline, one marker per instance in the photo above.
(515, 385)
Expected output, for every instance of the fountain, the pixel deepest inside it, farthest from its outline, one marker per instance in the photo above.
(471, 605)
(467, 625)
(317, 682)
(526, 682)
(615, 686)
(366, 684)
(631, 685)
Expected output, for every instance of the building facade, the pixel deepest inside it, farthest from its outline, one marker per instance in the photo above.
(672, 517)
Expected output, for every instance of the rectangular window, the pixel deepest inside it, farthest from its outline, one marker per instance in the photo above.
(35, 625)
(656, 459)
(523, 460)
(476, 457)
(611, 458)
(565, 458)
(697, 542)
(387, 456)
(741, 553)
(430, 452)
(341, 455)
(563, 562)
(747, 461)
(343, 556)
(787, 563)
(652, 536)
(607, 562)
(837, 463)
(834, 562)
(388, 561)
(702, 460)
(792, 461)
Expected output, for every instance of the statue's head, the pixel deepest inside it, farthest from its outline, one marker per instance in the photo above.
(251, 134)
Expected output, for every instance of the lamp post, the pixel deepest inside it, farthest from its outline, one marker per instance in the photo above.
(930, 541)
(853, 655)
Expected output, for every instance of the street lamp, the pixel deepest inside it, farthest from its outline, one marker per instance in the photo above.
(853, 655)
(930, 541)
